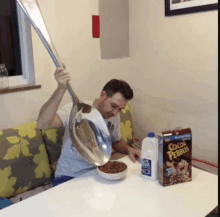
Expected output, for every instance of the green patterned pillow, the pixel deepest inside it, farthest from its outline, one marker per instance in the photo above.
(24, 162)
(53, 140)
(126, 125)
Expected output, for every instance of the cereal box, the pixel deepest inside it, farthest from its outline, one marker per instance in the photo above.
(175, 157)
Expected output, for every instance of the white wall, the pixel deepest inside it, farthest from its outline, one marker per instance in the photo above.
(174, 72)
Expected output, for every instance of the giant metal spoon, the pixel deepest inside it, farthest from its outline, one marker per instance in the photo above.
(87, 128)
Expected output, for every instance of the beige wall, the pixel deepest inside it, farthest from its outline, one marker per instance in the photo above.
(172, 68)
(174, 72)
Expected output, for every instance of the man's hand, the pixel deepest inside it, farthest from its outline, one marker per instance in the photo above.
(133, 153)
(124, 148)
(62, 76)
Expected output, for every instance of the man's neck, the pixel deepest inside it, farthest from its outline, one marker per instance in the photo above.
(95, 104)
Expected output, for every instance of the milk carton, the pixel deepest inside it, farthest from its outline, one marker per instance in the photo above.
(149, 165)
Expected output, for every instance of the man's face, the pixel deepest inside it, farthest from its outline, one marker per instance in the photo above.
(111, 106)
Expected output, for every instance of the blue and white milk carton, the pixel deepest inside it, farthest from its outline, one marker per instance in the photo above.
(149, 156)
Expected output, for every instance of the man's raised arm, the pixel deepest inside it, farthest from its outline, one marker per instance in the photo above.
(48, 118)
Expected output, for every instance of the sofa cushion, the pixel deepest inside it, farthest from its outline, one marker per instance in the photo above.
(30, 193)
(126, 125)
(53, 137)
(24, 162)
(53, 140)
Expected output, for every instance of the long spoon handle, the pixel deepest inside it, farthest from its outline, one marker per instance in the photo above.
(32, 11)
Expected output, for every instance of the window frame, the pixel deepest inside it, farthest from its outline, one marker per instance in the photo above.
(26, 48)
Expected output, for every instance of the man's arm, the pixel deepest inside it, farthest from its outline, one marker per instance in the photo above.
(47, 116)
(124, 148)
(121, 147)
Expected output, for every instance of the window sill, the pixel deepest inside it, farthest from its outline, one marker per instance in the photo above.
(19, 88)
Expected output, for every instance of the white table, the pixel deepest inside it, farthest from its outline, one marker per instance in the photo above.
(91, 195)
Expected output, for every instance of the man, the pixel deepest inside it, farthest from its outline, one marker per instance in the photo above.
(112, 100)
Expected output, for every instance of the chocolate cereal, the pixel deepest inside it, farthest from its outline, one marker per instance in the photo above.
(113, 167)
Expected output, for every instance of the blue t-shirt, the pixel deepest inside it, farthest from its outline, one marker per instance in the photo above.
(71, 163)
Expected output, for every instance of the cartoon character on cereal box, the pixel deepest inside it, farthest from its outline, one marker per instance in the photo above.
(171, 168)
(171, 172)
(183, 170)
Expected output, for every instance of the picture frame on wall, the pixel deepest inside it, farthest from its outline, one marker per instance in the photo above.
(177, 7)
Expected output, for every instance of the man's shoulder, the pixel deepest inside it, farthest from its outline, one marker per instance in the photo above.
(68, 106)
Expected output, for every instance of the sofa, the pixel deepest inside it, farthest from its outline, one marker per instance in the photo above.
(28, 157)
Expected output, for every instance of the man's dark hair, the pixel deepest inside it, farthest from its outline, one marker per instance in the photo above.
(115, 85)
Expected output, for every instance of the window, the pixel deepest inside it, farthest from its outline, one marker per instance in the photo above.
(15, 44)
(26, 47)
(9, 43)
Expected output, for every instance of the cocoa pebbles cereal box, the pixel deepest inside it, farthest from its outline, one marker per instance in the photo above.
(175, 157)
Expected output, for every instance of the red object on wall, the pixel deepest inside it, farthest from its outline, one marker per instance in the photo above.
(95, 26)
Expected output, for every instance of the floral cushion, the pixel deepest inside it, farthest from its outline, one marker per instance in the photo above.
(24, 163)
(126, 125)
(53, 138)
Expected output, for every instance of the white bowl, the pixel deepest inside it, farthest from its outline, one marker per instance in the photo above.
(113, 176)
